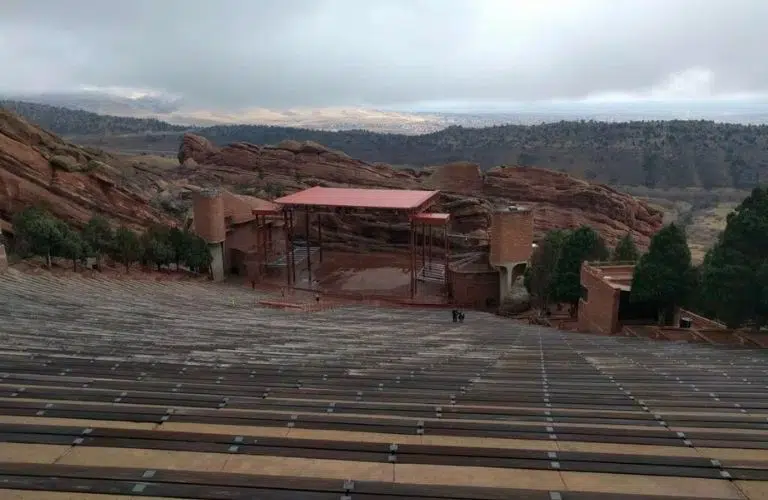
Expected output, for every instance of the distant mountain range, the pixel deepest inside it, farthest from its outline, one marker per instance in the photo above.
(655, 154)
(176, 112)
(415, 120)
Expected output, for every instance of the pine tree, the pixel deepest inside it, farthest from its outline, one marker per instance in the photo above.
(197, 256)
(127, 248)
(665, 275)
(538, 275)
(71, 245)
(626, 250)
(38, 233)
(99, 237)
(177, 240)
(734, 275)
(156, 248)
(583, 244)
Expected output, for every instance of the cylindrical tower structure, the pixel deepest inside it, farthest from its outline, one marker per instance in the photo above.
(511, 235)
(208, 207)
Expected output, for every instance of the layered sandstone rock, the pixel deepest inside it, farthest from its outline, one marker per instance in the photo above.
(39, 168)
(301, 163)
(561, 201)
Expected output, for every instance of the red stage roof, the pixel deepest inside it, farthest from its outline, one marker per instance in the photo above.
(392, 199)
(431, 219)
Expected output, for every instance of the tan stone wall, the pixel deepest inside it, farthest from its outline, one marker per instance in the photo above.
(3, 259)
(246, 238)
(511, 237)
(600, 312)
(243, 237)
(473, 289)
(209, 217)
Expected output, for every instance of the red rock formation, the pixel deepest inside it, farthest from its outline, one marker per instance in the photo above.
(561, 201)
(460, 177)
(37, 167)
(302, 162)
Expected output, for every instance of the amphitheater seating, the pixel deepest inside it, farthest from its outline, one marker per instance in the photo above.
(138, 389)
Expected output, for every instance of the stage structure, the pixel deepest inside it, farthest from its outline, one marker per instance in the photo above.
(317, 202)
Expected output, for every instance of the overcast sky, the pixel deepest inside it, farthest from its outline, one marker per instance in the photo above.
(232, 54)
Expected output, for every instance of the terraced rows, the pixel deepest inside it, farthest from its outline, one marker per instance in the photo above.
(191, 390)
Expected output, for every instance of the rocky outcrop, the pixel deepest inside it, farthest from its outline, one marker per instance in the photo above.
(460, 177)
(561, 201)
(303, 164)
(39, 168)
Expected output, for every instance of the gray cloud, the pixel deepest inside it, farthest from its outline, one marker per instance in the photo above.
(290, 53)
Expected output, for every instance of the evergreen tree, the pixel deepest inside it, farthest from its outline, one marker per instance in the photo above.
(156, 248)
(538, 275)
(665, 275)
(734, 275)
(99, 237)
(583, 244)
(127, 248)
(177, 240)
(71, 245)
(626, 250)
(197, 256)
(38, 233)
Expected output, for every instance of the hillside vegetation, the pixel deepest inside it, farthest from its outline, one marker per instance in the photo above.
(74, 122)
(655, 154)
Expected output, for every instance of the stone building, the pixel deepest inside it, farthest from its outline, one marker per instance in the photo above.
(243, 233)
(494, 280)
(603, 288)
(605, 306)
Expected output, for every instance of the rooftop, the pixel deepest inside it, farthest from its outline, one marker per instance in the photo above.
(241, 208)
(432, 219)
(394, 199)
(616, 275)
(191, 390)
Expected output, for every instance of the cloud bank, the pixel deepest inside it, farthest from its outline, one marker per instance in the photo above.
(235, 54)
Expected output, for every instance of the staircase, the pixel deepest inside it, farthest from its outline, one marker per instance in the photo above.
(433, 272)
(299, 255)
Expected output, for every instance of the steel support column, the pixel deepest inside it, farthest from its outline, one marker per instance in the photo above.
(423, 244)
(293, 253)
(413, 258)
(309, 254)
(447, 254)
(286, 228)
(320, 235)
(261, 222)
(430, 244)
